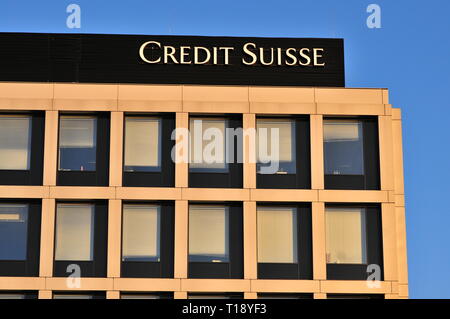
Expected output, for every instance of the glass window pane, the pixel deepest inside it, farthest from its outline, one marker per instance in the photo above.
(140, 296)
(343, 147)
(77, 143)
(212, 296)
(346, 236)
(207, 145)
(72, 296)
(142, 144)
(13, 231)
(12, 296)
(141, 233)
(270, 148)
(74, 232)
(277, 235)
(15, 139)
(208, 233)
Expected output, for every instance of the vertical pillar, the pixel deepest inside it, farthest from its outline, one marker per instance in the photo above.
(389, 241)
(181, 167)
(113, 294)
(116, 149)
(386, 152)
(114, 237)
(250, 241)
(317, 170)
(181, 239)
(47, 237)
(249, 127)
(50, 148)
(319, 241)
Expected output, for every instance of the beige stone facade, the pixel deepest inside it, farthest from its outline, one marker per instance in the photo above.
(188, 99)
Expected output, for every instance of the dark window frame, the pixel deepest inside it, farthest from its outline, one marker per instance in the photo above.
(374, 243)
(302, 178)
(153, 269)
(235, 267)
(371, 156)
(165, 177)
(98, 266)
(99, 177)
(34, 175)
(303, 269)
(233, 178)
(30, 266)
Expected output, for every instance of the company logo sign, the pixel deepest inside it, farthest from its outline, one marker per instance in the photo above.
(154, 52)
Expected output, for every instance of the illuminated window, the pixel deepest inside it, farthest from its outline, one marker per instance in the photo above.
(142, 144)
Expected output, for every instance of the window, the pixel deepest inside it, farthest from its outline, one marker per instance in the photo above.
(22, 148)
(354, 240)
(215, 240)
(74, 232)
(215, 151)
(346, 236)
(208, 233)
(77, 143)
(284, 241)
(148, 239)
(13, 231)
(148, 149)
(149, 295)
(284, 296)
(343, 148)
(20, 237)
(283, 152)
(142, 144)
(215, 296)
(351, 154)
(79, 295)
(355, 296)
(73, 296)
(81, 238)
(276, 146)
(83, 156)
(15, 142)
(141, 233)
(277, 235)
(207, 151)
(18, 295)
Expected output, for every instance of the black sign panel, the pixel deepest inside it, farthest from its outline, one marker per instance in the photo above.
(94, 58)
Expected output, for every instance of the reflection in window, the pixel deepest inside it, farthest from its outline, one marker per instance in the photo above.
(142, 144)
(346, 236)
(207, 145)
(74, 232)
(15, 139)
(77, 143)
(141, 233)
(208, 233)
(277, 235)
(270, 148)
(343, 147)
(13, 231)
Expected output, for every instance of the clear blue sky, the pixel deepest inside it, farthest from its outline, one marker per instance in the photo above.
(410, 55)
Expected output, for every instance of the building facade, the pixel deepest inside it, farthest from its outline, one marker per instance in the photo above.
(92, 204)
